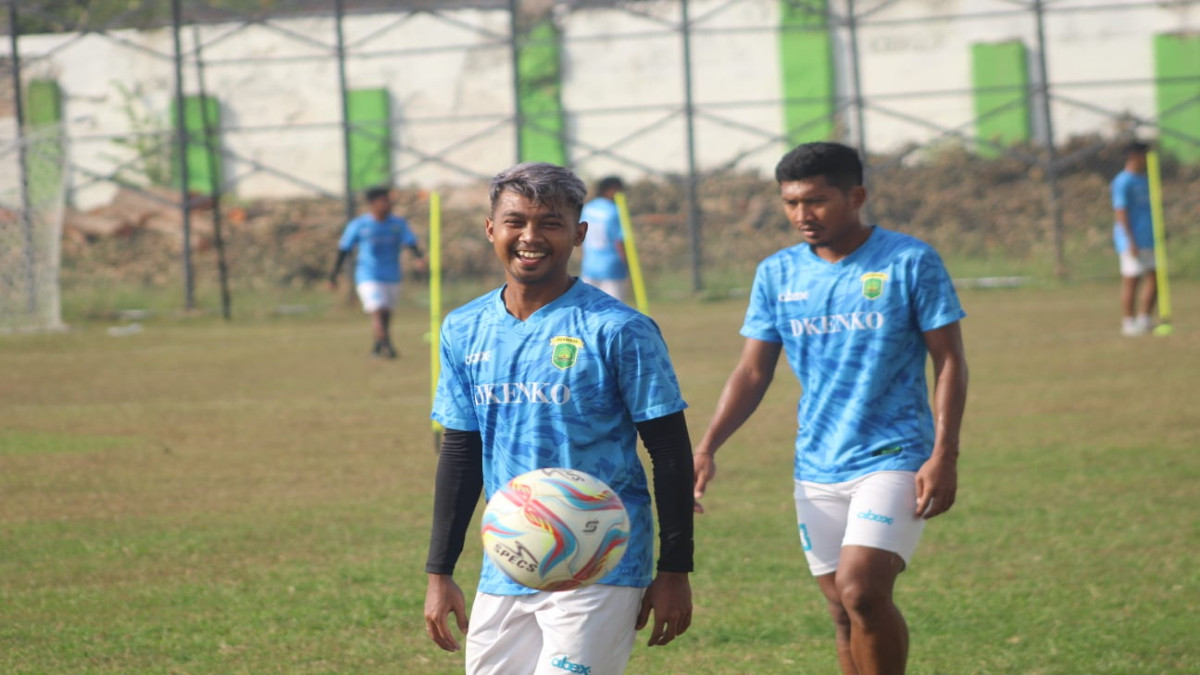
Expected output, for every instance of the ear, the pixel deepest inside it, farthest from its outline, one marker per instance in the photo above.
(580, 233)
(490, 229)
(858, 196)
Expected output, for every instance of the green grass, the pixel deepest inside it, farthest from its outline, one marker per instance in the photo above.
(254, 498)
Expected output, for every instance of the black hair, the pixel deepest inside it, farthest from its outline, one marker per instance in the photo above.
(609, 183)
(1137, 148)
(839, 164)
(377, 192)
(540, 183)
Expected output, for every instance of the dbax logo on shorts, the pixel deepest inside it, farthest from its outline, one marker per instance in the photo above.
(563, 663)
(871, 515)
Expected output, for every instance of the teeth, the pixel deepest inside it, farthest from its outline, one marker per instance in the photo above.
(530, 255)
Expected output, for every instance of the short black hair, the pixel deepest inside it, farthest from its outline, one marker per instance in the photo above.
(1137, 148)
(541, 183)
(609, 183)
(839, 164)
(377, 192)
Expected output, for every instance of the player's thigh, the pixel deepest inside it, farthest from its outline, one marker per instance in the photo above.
(883, 516)
(504, 636)
(821, 511)
(588, 630)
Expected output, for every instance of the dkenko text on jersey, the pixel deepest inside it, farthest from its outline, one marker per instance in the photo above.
(510, 393)
(836, 323)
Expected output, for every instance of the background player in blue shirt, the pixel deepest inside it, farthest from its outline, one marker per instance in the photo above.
(510, 405)
(379, 237)
(857, 309)
(604, 265)
(1133, 238)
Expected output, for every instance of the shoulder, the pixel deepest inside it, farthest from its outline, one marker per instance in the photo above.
(1121, 179)
(605, 314)
(903, 247)
(398, 221)
(784, 259)
(469, 313)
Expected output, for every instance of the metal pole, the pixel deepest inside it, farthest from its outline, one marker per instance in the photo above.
(518, 113)
(693, 213)
(348, 178)
(1054, 201)
(860, 121)
(181, 139)
(215, 187)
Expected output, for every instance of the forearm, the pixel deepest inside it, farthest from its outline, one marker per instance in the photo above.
(458, 484)
(739, 399)
(337, 264)
(670, 448)
(416, 251)
(949, 405)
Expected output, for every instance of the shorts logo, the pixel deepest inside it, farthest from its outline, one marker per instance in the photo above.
(873, 284)
(564, 351)
(871, 515)
(805, 542)
(563, 663)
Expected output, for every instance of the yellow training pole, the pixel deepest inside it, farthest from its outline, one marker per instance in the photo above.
(435, 304)
(631, 256)
(1160, 245)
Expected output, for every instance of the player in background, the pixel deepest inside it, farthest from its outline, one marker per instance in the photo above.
(547, 371)
(604, 265)
(379, 236)
(1133, 238)
(856, 308)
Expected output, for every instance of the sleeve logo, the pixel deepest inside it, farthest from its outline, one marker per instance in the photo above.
(564, 351)
(873, 284)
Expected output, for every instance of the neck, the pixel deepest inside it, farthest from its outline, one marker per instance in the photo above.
(837, 250)
(522, 300)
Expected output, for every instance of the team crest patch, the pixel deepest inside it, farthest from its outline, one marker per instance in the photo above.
(564, 351)
(873, 284)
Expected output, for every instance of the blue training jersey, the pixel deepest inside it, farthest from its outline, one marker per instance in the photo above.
(379, 245)
(852, 331)
(1131, 191)
(600, 257)
(562, 389)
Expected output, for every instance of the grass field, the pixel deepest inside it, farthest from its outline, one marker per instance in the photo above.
(255, 498)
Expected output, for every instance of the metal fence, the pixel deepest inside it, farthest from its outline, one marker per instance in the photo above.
(859, 31)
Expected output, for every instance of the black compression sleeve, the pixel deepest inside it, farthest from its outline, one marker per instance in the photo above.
(670, 449)
(456, 492)
(337, 265)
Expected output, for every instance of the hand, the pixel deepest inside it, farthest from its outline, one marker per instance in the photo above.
(670, 596)
(1133, 248)
(421, 265)
(937, 486)
(442, 598)
(704, 464)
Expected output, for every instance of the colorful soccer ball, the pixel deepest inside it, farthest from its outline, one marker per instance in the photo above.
(555, 529)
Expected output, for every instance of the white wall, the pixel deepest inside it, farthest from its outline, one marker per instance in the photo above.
(623, 75)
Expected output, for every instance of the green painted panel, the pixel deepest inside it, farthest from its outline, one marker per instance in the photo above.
(806, 65)
(43, 114)
(370, 114)
(1176, 57)
(202, 119)
(539, 95)
(1000, 79)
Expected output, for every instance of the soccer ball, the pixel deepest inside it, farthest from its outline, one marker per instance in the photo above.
(555, 529)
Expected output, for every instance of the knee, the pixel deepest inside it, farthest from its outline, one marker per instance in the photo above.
(862, 600)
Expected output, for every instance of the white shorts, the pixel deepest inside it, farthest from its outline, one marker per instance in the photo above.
(377, 295)
(614, 287)
(877, 510)
(587, 630)
(1137, 265)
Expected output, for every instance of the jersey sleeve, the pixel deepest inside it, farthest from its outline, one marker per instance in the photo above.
(935, 302)
(644, 372)
(1120, 192)
(349, 236)
(453, 406)
(760, 314)
(407, 238)
(615, 233)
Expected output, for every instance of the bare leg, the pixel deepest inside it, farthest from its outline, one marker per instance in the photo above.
(1149, 292)
(878, 633)
(1129, 287)
(379, 325)
(841, 622)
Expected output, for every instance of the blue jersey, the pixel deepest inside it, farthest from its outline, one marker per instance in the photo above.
(852, 331)
(600, 257)
(1131, 191)
(562, 389)
(379, 245)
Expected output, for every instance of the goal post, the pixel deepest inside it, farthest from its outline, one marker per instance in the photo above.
(33, 179)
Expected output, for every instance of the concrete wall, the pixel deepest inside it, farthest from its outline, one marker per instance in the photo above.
(623, 89)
